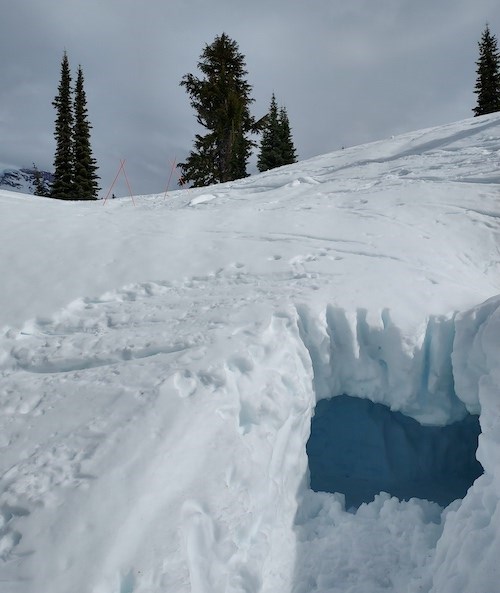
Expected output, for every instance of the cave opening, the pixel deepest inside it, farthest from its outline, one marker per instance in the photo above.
(360, 448)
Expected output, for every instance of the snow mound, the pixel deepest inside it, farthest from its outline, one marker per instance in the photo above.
(154, 438)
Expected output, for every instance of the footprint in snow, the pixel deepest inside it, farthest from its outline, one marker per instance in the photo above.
(184, 383)
(9, 537)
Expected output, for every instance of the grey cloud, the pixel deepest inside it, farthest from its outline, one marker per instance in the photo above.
(348, 72)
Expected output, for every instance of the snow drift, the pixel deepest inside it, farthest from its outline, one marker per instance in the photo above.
(163, 367)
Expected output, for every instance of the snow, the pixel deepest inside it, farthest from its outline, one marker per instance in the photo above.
(160, 365)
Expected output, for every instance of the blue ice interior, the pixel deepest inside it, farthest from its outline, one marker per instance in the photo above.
(360, 448)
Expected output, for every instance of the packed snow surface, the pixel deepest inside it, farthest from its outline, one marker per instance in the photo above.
(160, 366)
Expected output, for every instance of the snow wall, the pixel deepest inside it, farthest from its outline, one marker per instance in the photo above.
(245, 517)
(452, 371)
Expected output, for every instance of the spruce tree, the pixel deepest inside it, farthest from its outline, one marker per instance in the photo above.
(39, 185)
(84, 165)
(269, 155)
(276, 148)
(63, 186)
(287, 148)
(221, 99)
(488, 75)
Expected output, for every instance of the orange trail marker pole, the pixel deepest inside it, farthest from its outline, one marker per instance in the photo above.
(128, 184)
(174, 165)
(122, 163)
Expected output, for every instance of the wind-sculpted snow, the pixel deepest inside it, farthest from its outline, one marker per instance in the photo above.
(153, 438)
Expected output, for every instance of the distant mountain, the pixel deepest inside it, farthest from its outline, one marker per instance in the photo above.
(22, 180)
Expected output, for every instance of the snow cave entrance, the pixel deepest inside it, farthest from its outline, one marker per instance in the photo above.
(360, 448)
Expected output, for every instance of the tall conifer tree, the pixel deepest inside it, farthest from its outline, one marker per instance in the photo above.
(287, 148)
(488, 75)
(85, 177)
(221, 99)
(75, 176)
(63, 184)
(269, 155)
(276, 148)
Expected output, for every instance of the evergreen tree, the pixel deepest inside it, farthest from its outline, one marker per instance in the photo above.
(287, 148)
(488, 75)
(40, 188)
(221, 99)
(269, 155)
(84, 166)
(276, 147)
(62, 186)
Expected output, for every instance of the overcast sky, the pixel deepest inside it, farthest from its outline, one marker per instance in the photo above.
(348, 72)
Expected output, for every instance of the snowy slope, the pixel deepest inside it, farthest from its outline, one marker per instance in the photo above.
(160, 365)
